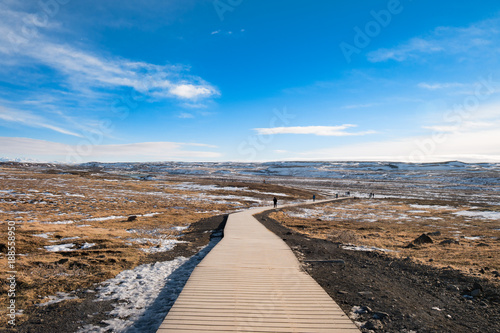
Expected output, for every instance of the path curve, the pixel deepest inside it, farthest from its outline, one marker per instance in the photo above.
(252, 282)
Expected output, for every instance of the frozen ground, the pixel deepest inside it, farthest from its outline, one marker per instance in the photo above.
(474, 182)
(145, 294)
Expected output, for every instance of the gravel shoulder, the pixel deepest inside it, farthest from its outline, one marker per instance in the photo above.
(385, 294)
(70, 315)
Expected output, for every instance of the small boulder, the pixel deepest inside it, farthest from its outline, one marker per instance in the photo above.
(423, 239)
(477, 286)
(373, 324)
(482, 244)
(409, 246)
(62, 261)
(380, 315)
(475, 293)
(449, 242)
(132, 218)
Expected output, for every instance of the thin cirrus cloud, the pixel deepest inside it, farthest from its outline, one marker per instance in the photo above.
(448, 40)
(313, 130)
(143, 151)
(29, 119)
(87, 69)
(438, 86)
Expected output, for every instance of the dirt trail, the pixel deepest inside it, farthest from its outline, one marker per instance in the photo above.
(394, 295)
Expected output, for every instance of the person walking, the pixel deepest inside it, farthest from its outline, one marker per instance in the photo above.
(275, 202)
(314, 197)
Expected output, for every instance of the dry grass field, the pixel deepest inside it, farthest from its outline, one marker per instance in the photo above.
(463, 236)
(73, 228)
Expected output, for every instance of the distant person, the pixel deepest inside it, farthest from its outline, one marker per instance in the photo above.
(275, 202)
(347, 193)
(314, 197)
(336, 195)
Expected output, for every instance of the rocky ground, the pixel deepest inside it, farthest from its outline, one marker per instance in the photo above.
(71, 315)
(386, 294)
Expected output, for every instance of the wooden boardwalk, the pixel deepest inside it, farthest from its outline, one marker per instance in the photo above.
(252, 282)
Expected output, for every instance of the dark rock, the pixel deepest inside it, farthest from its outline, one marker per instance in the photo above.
(62, 261)
(365, 293)
(452, 287)
(132, 218)
(341, 292)
(449, 242)
(423, 239)
(410, 246)
(3, 248)
(477, 286)
(496, 273)
(475, 293)
(380, 315)
(373, 324)
(363, 310)
(482, 244)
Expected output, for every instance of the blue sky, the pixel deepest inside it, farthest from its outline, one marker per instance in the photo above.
(241, 80)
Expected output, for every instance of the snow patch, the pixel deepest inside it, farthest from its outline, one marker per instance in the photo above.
(59, 222)
(87, 245)
(364, 248)
(99, 219)
(490, 215)
(45, 235)
(59, 297)
(60, 247)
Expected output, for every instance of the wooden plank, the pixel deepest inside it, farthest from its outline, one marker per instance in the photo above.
(252, 282)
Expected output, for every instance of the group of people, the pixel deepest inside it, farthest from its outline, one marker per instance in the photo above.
(371, 195)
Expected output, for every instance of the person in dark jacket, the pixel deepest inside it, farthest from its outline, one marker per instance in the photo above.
(275, 202)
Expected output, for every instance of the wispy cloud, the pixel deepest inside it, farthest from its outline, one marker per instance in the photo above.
(438, 86)
(446, 40)
(185, 115)
(314, 130)
(144, 151)
(360, 106)
(29, 119)
(90, 69)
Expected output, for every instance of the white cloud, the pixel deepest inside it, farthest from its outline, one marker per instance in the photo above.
(144, 151)
(472, 137)
(467, 147)
(190, 91)
(83, 69)
(437, 86)
(315, 130)
(447, 40)
(29, 119)
(360, 106)
(185, 115)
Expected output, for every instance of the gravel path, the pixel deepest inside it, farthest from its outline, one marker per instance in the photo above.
(384, 294)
